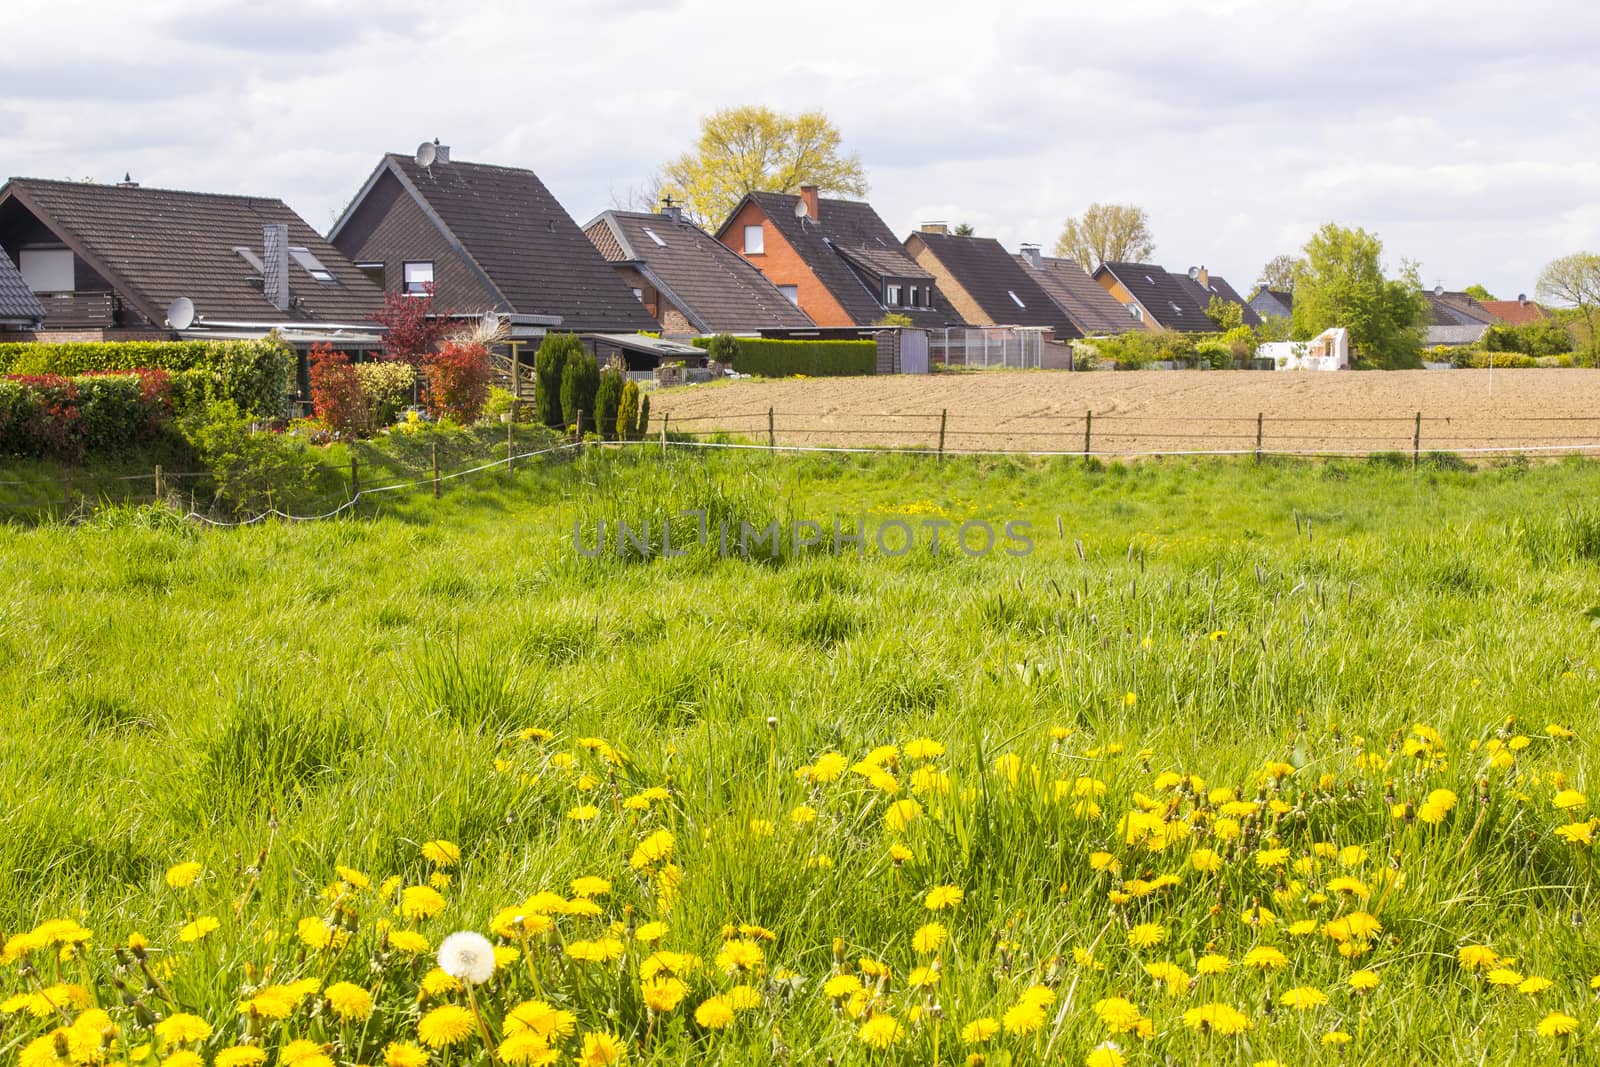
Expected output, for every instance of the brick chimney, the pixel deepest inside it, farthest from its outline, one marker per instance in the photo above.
(808, 194)
(441, 152)
(275, 264)
(1032, 254)
(1203, 276)
(935, 227)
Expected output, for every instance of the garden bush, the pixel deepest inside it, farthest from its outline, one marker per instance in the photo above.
(251, 470)
(607, 399)
(1217, 355)
(336, 394)
(549, 367)
(458, 381)
(254, 375)
(56, 417)
(781, 359)
(628, 426)
(580, 379)
(389, 386)
(1546, 337)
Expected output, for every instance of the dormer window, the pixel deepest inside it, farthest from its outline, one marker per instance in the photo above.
(914, 297)
(312, 266)
(1015, 299)
(891, 296)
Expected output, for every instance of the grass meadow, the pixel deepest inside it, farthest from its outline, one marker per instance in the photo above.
(1242, 764)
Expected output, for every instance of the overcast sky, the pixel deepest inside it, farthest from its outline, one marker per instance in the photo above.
(1463, 133)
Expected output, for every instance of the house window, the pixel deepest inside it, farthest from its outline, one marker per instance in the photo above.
(913, 297)
(312, 266)
(48, 270)
(1015, 299)
(418, 278)
(1136, 311)
(891, 296)
(374, 271)
(792, 292)
(755, 241)
(638, 294)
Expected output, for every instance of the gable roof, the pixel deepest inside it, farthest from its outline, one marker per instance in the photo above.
(1092, 310)
(844, 243)
(520, 241)
(155, 245)
(18, 305)
(716, 288)
(1456, 309)
(1008, 293)
(1514, 312)
(1171, 304)
(1217, 285)
(1277, 302)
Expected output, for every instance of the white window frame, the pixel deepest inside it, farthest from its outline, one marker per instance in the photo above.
(1015, 299)
(648, 232)
(758, 246)
(891, 296)
(405, 277)
(791, 292)
(312, 265)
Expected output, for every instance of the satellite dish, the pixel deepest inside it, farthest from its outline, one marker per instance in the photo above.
(800, 210)
(426, 154)
(180, 313)
(1438, 290)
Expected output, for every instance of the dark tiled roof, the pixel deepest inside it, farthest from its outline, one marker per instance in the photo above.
(850, 224)
(526, 242)
(1279, 302)
(1457, 309)
(715, 286)
(1172, 303)
(17, 302)
(1009, 294)
(1216, 285)
(1093, 310)
(155, 245)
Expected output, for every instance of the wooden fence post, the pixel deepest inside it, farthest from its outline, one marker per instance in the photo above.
(436, 470)
(511, 425)
(1088, 431)
(665, 416)
(159, 486)
(772, 433)
(1416, 442)
(580, 425)
(944, 413)
(355, 478)
(1260, 418)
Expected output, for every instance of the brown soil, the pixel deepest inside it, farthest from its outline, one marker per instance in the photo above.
(1159, 411)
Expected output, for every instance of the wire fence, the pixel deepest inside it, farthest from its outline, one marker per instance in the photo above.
(1130, 435)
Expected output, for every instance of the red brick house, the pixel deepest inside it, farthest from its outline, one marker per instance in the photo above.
(836, 259)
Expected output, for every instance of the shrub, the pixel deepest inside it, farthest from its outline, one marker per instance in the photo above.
(628, 428)
(607, 399)
(644, 414)
(250, 470)
(723, 348)
(579, 381)
(549, 366)
(814, 359)
(1217, 355)
(336, 394)
(56, 417)
(1545, 337)
(458, 381)
(412, 326)
(389, 386)
(254, 375)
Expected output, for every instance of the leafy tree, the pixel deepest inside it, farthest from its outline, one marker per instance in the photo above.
(1225, 315)
(1478, 292)
(745, 149)
(580, 379)
(1341, 283)
(1107, 232)
(1279, 274)
(549, 366)
(963, 229)
(1574, 281)
(412, 326)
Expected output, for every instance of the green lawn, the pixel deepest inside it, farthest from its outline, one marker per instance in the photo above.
(1219, 688)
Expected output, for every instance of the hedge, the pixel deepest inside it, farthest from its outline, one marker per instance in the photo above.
(814, 359)
(51, 416)
(254, 375)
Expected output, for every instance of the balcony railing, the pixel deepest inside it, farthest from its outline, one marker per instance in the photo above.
(79, 310)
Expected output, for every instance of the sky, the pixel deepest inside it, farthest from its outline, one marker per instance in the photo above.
(1464, 134)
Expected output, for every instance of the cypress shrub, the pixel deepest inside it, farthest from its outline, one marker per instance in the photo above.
(549, 370)
(579, 381)
(628, 428)
(607, 399)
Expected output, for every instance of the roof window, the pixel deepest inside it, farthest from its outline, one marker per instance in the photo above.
(312, 266)
(1015, 299)
(648, 232)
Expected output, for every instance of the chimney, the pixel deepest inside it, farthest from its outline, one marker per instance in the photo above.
(670, 209)
(441, 152)
(1202, 276)
(1032, 255)
(127, 181)
(935, 227)
(275, 264)
(808, 194)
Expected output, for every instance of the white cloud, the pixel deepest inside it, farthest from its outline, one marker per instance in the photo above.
(1461, 135)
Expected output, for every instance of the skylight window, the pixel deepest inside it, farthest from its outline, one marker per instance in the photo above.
(1149, 279)
(249, 256)
(312, 266)
(1015, 299)
(648, 232)
(1176, 310)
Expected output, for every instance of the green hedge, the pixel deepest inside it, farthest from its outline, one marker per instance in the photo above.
(254, 375)
(814, 359)
(51, 416)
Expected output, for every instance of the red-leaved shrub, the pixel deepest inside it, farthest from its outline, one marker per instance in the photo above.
(412, 326)
(336, 391)
(458, 381)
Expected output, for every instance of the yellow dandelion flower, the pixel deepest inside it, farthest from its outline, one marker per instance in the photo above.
(1217, 1018)
(198, 929)
(446, 1025)
(713, 1014)
(929, 938)
(980, 1030)
(1147, 935)
(183, 875)
(944, 897)
(1304, 998)
(1557, 1024)
(880, 1031)
(420, 902)
(349, 1001)
(441, 853)
(181, 1028)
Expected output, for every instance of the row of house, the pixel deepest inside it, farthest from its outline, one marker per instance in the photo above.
(1454, 318)
(88, 261)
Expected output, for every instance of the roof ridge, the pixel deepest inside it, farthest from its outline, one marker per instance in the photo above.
(120, 188)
